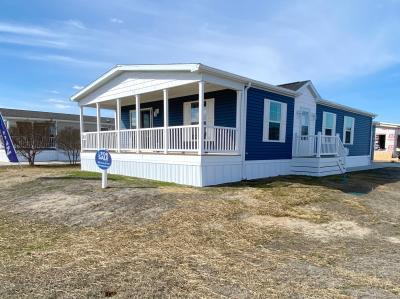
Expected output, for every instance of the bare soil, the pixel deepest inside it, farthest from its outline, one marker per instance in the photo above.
(62, 236)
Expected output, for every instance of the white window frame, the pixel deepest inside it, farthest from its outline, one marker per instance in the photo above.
(210, 103)
(352, 130)
(282, 128)
(324, 114)
(141, 110)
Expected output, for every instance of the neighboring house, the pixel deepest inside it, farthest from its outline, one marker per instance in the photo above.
(387, 141)
(197, 125)
(49, 124)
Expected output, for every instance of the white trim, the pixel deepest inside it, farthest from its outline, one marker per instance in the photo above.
(323, 123)
(343, 107)
(266, 121)
(352, 130)
(190, 68)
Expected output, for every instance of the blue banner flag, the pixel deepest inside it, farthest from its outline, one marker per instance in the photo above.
(7, 142)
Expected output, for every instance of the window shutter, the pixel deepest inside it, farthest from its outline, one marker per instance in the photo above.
(334, 125)
(266, 120)
(352, 131)
(282, 133)
(186, 113)
(210, 119)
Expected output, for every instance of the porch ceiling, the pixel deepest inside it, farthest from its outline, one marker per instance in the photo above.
(174, 92)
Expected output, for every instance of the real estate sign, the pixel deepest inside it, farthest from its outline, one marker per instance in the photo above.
(103, 161)
(7, 142)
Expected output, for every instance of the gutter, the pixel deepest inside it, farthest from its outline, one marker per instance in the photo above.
(346, 108)
(243, 127)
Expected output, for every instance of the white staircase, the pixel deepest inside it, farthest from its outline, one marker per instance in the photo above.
(318, 155)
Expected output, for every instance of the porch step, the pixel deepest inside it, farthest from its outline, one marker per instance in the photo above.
(318, 166)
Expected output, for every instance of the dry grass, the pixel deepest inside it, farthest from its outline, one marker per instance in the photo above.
(62, 236)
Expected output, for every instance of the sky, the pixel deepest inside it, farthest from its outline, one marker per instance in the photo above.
(350, 50)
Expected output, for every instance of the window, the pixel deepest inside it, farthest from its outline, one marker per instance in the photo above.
(274, 129)
(146, 118)
(348, 130)
(381, 140)
(191, 116)
(304, 123)
(191, 112)
(329, 124)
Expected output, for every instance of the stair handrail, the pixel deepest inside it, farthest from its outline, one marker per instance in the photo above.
(342, 151)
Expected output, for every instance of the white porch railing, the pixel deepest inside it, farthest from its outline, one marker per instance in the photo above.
(318, 145)
(180, 139)
(183, 138)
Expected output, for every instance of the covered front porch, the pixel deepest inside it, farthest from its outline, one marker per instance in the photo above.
(197, 118)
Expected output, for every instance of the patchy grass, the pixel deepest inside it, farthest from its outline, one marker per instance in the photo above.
(61, 235)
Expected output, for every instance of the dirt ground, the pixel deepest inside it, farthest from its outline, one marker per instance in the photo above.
(61, 236)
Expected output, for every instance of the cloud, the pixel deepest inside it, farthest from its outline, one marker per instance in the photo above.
(24, 29)
(60, 104)
(67, 60)
(75, 23)
(77, 87)
(53, 91)
(116, 20)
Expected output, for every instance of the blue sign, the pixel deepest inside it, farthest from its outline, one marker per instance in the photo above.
(7, 142)
(103, 159)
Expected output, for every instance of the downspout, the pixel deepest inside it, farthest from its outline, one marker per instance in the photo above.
(243, 126)
(372, 142)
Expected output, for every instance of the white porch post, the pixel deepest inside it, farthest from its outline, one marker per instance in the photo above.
(319, 143)
(201, 119)
(81, 125)
(137, 123)
(118, 125)
(238, 114)
(98, 123)
(166, 115)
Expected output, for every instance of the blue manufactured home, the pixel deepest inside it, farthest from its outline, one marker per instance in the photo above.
(197, 125)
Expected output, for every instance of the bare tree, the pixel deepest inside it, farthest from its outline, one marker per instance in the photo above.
(69, 141)
(31, 138)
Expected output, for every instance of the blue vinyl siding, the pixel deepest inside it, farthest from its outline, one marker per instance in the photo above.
(256, 149)
(362, 129)
(224, 110)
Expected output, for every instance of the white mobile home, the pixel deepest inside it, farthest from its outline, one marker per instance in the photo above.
(197, 125)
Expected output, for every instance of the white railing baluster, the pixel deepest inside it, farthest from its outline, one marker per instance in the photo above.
(180, 139)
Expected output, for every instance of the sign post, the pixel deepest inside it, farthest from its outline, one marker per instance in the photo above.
(103, 161)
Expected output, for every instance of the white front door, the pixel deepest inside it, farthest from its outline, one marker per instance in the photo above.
(305, 142)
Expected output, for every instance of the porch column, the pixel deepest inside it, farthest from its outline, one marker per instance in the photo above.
(137, 97)
(81, 125)
(166, 115)
(98, 123)
(118, 125)
(239, 95)
(201, 119)
(319, 143)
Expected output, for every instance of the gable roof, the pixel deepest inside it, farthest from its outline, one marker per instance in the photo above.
(29, 114)
(177, 67)
(295, 86)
